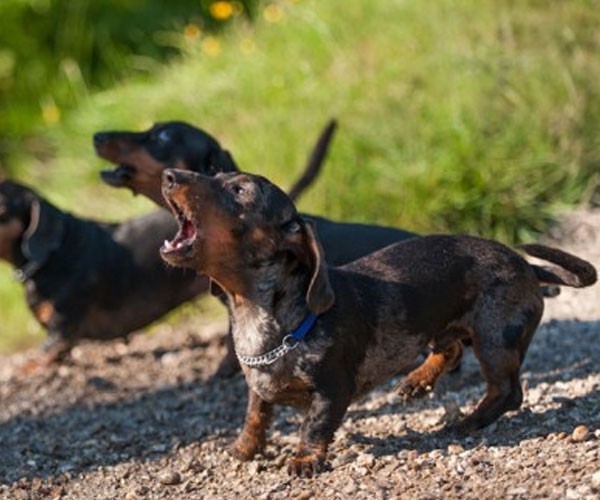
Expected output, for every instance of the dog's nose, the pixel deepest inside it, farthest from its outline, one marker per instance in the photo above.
(169, 179)
(99, 138)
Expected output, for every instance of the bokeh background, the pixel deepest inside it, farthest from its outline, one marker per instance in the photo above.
(478, 117)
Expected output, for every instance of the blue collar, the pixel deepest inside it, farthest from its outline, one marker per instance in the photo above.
(304, 327)
(289, 342)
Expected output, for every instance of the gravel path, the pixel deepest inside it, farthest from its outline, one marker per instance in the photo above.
(145, 420)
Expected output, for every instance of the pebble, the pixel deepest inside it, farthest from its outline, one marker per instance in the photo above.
(516, 491)
(580, 433)
(366, 461)
(169, 478)
(596, 480)
(455, 449)
(305, 495)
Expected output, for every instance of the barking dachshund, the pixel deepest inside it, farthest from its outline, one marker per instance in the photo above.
(317, 337)
(86, 279)
(141, 158)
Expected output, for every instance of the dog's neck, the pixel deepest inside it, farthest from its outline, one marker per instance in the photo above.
(269, 311)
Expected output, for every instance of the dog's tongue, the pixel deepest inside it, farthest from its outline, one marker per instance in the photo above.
(185, 236)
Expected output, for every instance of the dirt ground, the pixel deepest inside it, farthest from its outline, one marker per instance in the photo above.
(146, 420)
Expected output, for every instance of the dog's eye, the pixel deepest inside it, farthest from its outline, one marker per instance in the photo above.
(163, 136)
(237, 188)
(292, 227)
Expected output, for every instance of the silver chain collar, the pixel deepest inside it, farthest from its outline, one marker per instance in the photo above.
(287, 344)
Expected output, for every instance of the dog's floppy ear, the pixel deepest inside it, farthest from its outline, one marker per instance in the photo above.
(319, 296)
(44, 233)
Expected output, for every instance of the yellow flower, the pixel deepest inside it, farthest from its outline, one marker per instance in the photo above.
(273, 13)
(211, 46)
(221, 10)
(50, 113)
(191, 31)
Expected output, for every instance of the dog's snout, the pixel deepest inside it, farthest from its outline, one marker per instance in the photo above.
(169, 179)
(100, 138)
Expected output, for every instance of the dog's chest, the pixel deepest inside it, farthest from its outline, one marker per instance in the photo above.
(280, 386)
(283, 381)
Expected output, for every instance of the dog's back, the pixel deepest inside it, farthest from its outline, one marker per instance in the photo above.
(399, 298)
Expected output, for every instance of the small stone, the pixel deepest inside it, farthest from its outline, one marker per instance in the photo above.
(366, 461)
(255, 467)
(455, 449)
(344, 459)
(517, 491)
(169, 478)
(580, 433)
(596, 480)
(452, 413)
(305, 495)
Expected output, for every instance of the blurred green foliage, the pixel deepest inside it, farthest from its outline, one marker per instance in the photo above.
(55, 53)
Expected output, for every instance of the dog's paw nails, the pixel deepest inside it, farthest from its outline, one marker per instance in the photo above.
(410, 389)
(306, 466)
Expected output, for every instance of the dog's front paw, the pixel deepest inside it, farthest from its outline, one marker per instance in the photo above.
(244, 448)
(307, 465)
(412, 388)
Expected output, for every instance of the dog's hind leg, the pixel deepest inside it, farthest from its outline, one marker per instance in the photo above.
(500, 352)
(420, 381)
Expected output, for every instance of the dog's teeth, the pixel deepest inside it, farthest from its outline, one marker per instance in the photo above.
(167, 245)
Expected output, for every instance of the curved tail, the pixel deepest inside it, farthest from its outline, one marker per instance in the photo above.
(315, 161)
(573, 271)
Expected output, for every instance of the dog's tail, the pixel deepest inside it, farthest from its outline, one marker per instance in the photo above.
(315, 161)
(573, 271)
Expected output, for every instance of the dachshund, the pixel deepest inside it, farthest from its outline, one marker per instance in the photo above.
(318, 337)
(89, 279)
(141, 158)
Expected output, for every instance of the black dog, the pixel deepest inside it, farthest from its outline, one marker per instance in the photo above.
(318, 337)
(141, 158)
(86, 279)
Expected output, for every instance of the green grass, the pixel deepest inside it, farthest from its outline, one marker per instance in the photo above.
(461, 116)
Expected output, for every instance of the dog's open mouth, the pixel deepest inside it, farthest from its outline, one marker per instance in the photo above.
(119, 176)
(183, 241)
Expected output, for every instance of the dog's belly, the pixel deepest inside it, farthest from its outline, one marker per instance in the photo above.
(390, 355)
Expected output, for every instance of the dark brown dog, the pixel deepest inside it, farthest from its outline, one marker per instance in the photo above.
(141, 158)
(317, 337)
(86, 279)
